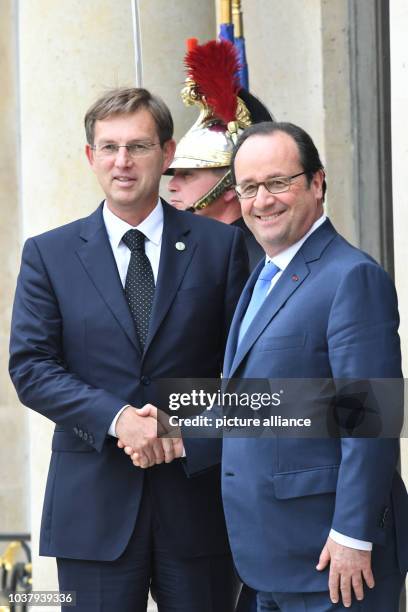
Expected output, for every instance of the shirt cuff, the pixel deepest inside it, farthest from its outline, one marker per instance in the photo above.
(350, 542)
(112, 428)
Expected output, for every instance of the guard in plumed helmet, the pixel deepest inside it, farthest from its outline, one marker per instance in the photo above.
(201, 180)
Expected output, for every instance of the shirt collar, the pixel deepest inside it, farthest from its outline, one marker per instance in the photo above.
(151, 227)
(283, 259)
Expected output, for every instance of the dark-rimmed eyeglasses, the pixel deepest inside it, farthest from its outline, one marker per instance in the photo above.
(276, 184)
(134, 149)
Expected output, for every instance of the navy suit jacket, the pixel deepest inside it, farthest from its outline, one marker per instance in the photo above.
(75, 359)
(255, 251)
(331, 315)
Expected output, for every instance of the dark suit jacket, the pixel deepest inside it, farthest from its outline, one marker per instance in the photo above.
(255, 251)
(75, 359)
(332, 315)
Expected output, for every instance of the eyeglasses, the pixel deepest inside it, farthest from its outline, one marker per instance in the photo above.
(276, 184)
(135, 149)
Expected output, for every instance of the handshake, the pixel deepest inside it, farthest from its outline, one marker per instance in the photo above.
(138, 430)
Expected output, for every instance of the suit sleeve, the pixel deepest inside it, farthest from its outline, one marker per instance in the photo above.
(37, 368)
(364, 346)
(205, 452)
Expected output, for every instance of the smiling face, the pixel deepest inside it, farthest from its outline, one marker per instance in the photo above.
(277, 220)
(131, 185)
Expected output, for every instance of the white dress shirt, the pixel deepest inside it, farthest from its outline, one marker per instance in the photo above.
(283, 259)
(152, 228)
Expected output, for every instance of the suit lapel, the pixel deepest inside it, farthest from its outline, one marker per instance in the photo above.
(289, 282)
(98, 260)
(173, 265)
(292, 278)
(242, 305)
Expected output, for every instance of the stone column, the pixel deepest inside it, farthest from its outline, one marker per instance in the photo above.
(172, 22)
(165, 26)
(13, 419)
(298, 66)
(284, 52)
(69, 53)
(337, 116)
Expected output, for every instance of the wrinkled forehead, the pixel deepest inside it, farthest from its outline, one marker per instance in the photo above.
(276, 143)
(137, 125)
(275, 153)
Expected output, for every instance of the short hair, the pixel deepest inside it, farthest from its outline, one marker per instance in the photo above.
(124, 101)
(308, 153)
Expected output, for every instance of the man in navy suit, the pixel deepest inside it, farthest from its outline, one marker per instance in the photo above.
(313, 523)
(105, 306)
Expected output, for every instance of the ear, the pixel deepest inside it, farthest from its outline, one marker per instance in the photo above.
(317, 184)
(229, 195)
(89, 154)
(169, 149)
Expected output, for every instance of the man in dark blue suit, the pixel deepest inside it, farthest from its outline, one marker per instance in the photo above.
(312, 522)
(104, 307)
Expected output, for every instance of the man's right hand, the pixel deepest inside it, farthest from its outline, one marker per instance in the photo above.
(138, 430)
(350, 568)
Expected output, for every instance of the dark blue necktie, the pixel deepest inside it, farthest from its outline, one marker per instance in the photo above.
(139, 285)
(258, 296)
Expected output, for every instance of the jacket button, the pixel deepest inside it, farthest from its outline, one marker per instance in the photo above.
(229, 474)
(80, 433)
(76, 431)
(85, 436)
(145, 380)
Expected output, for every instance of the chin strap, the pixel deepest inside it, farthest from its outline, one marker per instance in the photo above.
(208, 198)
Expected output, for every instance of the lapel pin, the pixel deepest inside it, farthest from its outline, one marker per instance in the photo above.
(295, 277)
(180, 246)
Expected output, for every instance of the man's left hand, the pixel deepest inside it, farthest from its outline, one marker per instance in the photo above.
(172, 442)
(348, 568)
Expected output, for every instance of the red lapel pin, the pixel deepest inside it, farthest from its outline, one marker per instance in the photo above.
(295, 277)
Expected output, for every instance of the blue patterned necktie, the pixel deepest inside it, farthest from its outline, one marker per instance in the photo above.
(259, 294)
(139, 285)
